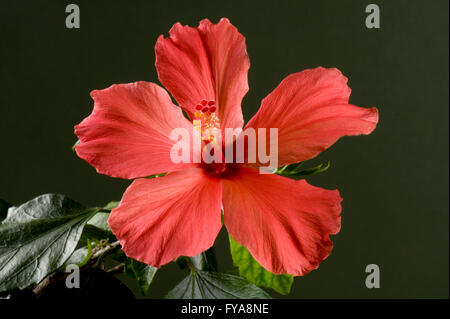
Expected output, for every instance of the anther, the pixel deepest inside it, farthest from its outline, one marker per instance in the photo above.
(198, 107)
(212, 109)
(204, 102)
(205, 109)
(211, 103)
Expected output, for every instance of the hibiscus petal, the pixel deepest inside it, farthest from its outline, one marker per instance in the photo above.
(311, 111)
(128, 133)
(163, 218)
(285, 224)
(205, 63)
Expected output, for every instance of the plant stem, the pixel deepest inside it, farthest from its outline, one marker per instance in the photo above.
(118, 268)
(49, 280)
(101, 254)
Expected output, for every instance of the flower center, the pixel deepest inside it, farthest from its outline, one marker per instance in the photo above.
(222, 170)
(206, 121)
(207, 124)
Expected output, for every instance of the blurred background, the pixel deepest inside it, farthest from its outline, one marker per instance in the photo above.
(394, 182)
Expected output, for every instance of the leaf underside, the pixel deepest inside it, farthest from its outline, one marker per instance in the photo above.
(37, 238)
(143, 273)
(211, 285)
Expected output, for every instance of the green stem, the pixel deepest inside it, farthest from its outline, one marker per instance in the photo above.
(205, 261)
(88, 256)
(100, 255)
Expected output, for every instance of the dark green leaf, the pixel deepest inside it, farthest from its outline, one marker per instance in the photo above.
(97, 228)
(249, 268)
(205, 261)
(111, 205)
(143, 273)
(37, 238)
(212, 285)
(44, 206)
(92, 232)
(181, 262)
(118, 256)
(100, 220)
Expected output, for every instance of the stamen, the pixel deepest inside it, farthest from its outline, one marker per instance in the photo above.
(205, 121)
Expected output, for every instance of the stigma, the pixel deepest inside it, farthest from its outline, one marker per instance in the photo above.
(206, 121)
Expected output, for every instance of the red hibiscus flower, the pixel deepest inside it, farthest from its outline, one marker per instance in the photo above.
(285, 224)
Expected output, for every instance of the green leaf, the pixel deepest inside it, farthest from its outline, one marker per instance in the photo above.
(100, 220)
(77, 257)
(205, 261)
(143, 273)
(111, 205)
(37, 238)
(92, 232)
(118, 256)
(295, 170)
(4, 205)
(211, 285)
(74, 145)
(43, 206)
(97, 228)
(249, 268)
(80, 256)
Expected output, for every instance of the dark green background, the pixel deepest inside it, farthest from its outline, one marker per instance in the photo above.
(394, 182)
